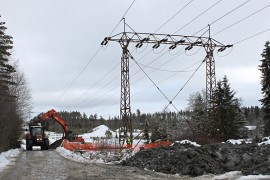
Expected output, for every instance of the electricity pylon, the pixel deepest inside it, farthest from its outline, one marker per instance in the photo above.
(125, 38)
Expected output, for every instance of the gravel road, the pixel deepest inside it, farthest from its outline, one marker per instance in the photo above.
(50, 165)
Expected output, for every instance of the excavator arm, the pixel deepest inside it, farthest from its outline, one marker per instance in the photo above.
(52, 114)
(71, 136)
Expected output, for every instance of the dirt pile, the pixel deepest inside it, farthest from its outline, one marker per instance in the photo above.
(186, 159)
(56, 144)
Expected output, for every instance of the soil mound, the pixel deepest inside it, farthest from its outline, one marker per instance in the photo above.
(56, 144)
(186, 159)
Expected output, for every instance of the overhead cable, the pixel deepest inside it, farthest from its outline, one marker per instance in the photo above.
(149, 78)
(173, 16)
(251, 37)
(73, 81)
(103, 77)
(187, 81)
(165, 79)
(197, 16)
(241, 20)
(100, 48)
(122, 17)
(234, 9)
(164, 70)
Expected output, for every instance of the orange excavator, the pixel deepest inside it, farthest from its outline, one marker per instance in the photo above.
(68, 134)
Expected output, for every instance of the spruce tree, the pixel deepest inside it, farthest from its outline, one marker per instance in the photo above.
(265, 82)
(6, 69)
(10, 121)
(226, 112)
(197, 113)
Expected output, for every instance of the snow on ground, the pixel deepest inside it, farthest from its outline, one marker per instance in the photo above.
(239, 141)
(7, 157)
(237, 175)
(93, 156)
(265, 140)
(251, 128)
(97, 132)
(53, 136)
(100, 131)
(186, 142)
(254, 177)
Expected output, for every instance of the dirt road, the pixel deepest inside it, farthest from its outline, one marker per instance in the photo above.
(50, 165)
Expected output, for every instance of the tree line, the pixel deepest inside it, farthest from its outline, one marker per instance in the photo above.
(166, 125)
(15, 94)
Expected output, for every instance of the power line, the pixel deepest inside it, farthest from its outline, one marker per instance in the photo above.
(98, 91)
(150, 79)
(198, 16)
(230, 12)
(211, 23)
(103, 77)
(66, 89)
(173, 16)
(164, 70)
(102, 97)
(251, 36)
(183, 87)
(182, 27)
(122, 17)
(73, 81)
(177, 55)
(111, 81)
(187, 81)
(165, 79)
(170, 101)
(194, 19)
(241, 20)
(234, 9)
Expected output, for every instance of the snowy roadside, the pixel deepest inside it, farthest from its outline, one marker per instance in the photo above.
(93, 156)
(8, 157)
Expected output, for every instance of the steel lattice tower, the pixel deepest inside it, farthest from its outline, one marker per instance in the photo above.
(125, 38)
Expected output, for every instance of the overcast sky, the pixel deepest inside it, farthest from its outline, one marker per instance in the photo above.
(56, 42)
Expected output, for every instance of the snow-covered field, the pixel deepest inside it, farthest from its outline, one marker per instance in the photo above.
(8, 157)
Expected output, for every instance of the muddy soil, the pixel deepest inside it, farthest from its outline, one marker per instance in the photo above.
(48, 165)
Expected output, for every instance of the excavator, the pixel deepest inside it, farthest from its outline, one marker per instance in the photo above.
(67, 134)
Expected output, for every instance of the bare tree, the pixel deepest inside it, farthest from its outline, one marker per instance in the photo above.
(22, 92)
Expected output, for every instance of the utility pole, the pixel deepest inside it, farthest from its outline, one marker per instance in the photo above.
(125, 38)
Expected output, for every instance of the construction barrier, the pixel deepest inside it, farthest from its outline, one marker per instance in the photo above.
(75, 146)
(152, 145)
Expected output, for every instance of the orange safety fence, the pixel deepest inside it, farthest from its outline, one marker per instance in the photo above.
(152, 145)
(73, 146)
